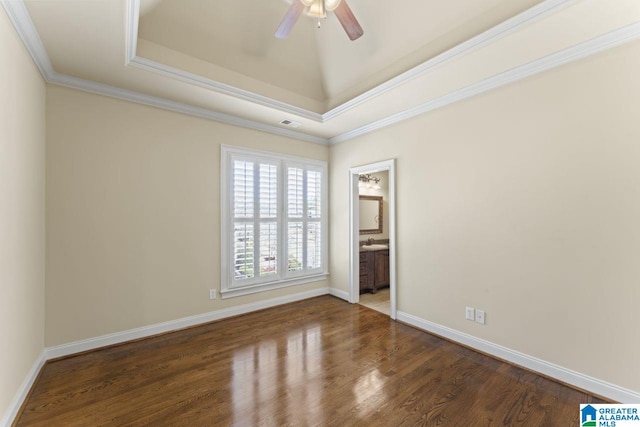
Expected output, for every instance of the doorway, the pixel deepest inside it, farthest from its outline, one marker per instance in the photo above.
(356, 237)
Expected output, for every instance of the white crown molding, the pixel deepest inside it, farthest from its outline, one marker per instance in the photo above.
(19, 17)
(519, 21)
(204, 82)
(492, 35)
(577, 379)
(178, 107)
(582, 50)
(133, 19)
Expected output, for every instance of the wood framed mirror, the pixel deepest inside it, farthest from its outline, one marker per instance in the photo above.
(370, 214)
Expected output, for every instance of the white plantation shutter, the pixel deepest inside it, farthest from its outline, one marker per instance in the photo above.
(295, 197)
(243, 189)
(268, 191)
(295, 246)
(268, 253)
(314, 245)
(255, 237)
(243, 208)
(314, 194)
(314, 228)
(275, 231)
(295, 226)
(304, 207)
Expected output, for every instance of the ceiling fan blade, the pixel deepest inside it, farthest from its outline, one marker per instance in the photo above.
(290, 19)
(348, 20)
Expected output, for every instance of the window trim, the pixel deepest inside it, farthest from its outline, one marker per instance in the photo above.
(230, 289)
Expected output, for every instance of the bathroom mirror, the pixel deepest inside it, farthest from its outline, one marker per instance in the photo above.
(370, 215)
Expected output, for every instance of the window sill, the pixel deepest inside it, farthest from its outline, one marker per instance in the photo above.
(253, 289)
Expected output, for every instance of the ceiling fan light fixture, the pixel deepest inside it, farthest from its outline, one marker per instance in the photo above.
(317, 10)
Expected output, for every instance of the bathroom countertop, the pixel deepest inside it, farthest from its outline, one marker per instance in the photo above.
(374, 247)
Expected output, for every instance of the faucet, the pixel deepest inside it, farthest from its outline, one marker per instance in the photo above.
(370, 241)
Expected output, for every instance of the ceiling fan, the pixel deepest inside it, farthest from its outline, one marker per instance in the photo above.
(318, 9)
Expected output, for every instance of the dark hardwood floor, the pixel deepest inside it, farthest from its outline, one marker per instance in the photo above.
(318, 362)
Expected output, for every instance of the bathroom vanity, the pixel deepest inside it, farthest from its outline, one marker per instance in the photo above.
(374, 268)
(374, 254)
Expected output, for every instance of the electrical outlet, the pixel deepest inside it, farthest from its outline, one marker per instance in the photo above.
(212, 294)
(469, 313)
(480, 316)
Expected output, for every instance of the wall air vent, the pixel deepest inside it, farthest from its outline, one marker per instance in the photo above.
(290, 123)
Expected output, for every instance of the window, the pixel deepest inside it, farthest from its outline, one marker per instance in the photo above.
(274, 221)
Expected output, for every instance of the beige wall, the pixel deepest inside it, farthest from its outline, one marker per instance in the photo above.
(524, 202)
(133, 216)
(22, 222)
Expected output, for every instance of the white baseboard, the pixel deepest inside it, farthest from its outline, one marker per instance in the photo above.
(143, 332)
(565, 375)
(582, 381)
(339, 294)
(23, 391)
(173, 325)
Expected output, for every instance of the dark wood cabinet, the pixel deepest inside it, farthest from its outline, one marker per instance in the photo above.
(374, 270)
(381, 266)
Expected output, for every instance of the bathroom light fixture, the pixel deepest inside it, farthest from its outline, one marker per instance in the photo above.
(366, 180)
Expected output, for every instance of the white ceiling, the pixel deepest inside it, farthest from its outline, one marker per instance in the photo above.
(219, 59)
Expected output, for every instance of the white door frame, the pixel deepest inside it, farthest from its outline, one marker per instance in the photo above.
(354, 232)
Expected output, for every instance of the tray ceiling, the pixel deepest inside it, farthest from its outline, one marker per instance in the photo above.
(318, 63)
(219, 59)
